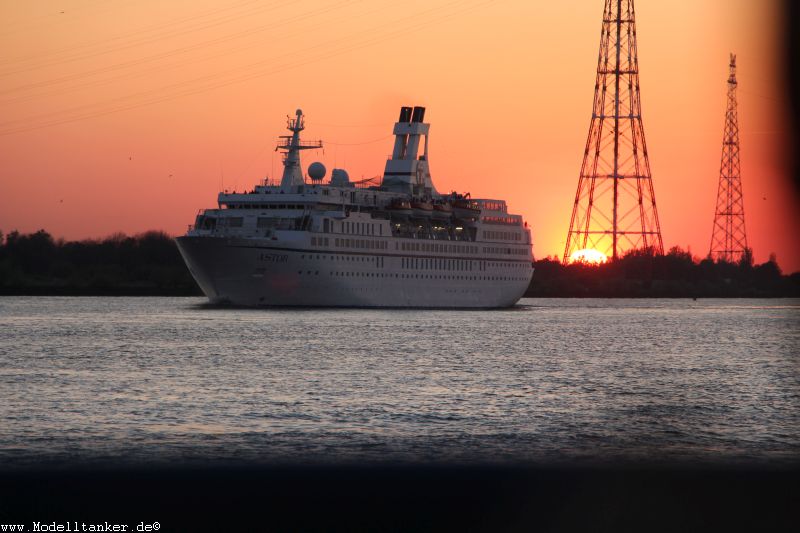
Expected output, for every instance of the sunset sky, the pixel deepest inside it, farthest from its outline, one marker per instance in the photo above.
(126, 116)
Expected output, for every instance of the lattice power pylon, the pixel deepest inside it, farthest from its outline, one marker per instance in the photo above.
(615, 206)
(728, 237)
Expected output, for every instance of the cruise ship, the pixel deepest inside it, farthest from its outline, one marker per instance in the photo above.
(391, 241)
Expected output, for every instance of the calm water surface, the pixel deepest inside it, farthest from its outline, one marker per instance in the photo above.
(160, 380)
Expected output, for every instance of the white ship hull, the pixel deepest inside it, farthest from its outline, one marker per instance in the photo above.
(264, 272)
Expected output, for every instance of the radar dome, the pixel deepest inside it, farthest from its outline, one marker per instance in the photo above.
(339, 178)
(316, 171)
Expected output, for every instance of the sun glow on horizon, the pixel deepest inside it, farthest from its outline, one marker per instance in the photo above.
(589, 256)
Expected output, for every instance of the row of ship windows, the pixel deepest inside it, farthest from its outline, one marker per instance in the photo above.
(493, 205)
(266, 206)
(507, 251)
(437, 247)
(355, 228)
(361, 243)
(342, 258)
(350, 243)
(421, 263)
(365, 228)
(505, 235)
(410, 276)
(366, 244)
(509, 220)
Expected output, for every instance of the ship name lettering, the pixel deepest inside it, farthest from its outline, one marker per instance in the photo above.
(273, 258)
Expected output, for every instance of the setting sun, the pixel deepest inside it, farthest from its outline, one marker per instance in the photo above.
(588, 256)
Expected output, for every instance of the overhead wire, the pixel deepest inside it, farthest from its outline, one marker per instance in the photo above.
(37, 21)
(326, 125)
(144, 41)
(177, 85)
(155, 57)
(361, 143)
(256, 64)
(153, 96)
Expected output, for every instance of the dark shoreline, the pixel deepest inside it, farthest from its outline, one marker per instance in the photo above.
(151, 265)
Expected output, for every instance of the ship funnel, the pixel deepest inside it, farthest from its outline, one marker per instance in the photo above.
(407, 170)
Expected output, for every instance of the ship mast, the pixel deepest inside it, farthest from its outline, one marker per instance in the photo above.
(291, 145)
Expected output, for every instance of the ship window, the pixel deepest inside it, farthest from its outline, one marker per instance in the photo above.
(235, 222)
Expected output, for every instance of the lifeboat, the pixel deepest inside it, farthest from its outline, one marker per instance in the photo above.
(466, 209)
(421, 208)
(442, 210)
(400, 206)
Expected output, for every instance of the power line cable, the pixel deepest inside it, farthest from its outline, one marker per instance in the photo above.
(361, 143)
(36, 22)
(215, 76)
(155, 57)
(154, 99)
(160, 37)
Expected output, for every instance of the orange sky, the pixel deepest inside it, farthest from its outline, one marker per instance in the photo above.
(128, 115)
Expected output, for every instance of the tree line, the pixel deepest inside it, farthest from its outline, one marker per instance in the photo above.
(675, 274)
(150, 264)
(145, 264)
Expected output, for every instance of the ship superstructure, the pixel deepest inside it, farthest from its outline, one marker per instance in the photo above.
(395, 243)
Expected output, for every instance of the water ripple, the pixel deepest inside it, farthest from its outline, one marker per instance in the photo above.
(166, 379)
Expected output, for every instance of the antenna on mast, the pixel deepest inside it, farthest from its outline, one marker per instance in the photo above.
(292, 145)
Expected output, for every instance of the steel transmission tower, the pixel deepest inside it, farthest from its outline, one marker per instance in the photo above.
(615, 206)
(728, 237)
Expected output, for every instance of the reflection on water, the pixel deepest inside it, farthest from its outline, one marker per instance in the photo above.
(165, 379)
